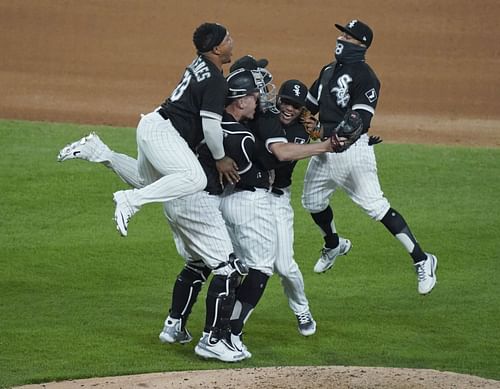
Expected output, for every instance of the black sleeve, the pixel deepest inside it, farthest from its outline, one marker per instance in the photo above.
(366, 117)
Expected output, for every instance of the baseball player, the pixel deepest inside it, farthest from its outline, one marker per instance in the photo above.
(201, 238)
(246, 205)
(349, 83)
(167, 137)
(291, 102)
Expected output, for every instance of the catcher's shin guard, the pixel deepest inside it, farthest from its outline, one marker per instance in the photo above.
(185, 293)
(219, 305)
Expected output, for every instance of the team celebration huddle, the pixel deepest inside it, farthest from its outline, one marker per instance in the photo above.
(219, 154)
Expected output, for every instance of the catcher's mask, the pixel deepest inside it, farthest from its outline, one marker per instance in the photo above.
(267, 89)
(241, 83)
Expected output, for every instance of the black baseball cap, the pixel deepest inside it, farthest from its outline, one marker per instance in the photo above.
(358, 30)
(249, 63)
(295, 91)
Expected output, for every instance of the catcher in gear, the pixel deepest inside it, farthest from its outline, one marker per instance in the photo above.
(345, 96)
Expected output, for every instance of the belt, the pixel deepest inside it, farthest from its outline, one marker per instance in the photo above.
(250, 188)
(277, 191)
(240, 188)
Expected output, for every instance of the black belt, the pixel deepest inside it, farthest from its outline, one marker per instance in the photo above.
(242, 187)
(162, 113)
(277, 191)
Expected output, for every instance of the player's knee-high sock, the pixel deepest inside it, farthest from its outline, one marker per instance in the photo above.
(247, 297)
(324, 221)
(185, 292)
(396, 224)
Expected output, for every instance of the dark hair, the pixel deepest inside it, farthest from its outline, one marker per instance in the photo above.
(207, 36)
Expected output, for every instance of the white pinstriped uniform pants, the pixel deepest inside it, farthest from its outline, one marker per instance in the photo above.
(354, 171)
(199, 231)
(251, 226)
(285, 265)
(166, 165)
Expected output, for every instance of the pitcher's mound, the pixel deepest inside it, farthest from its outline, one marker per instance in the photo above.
(341, 377)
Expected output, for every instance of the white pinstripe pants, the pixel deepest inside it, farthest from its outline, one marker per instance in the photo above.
(166, 165)
(285, 265)
(251, 226)
(354, 171)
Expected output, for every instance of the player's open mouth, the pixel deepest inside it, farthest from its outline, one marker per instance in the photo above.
(286, 115)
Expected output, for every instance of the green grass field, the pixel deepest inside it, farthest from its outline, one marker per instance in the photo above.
(78, 301)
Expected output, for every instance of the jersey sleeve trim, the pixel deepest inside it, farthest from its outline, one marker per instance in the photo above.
(270, 141)
(364, 107)
(211, 115)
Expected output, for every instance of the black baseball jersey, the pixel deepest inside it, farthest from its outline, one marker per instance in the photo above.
(295, 133)
(341, 87)
(240, 145)
(267, 128)
(200, 93)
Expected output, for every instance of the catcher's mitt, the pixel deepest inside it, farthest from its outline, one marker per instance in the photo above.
(311, 124)
(347, 132)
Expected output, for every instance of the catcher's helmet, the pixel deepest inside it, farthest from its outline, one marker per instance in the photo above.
(263, 79)
(294, 91)
(240, 83)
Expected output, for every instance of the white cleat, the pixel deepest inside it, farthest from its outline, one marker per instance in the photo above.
(328, 256)
(307, 325)
(90, 148)
(217, 349)
(123, 212)
(426, 274)
(237, 343)
(172, 332)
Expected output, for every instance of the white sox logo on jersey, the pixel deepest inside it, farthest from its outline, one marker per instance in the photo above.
(342, 90)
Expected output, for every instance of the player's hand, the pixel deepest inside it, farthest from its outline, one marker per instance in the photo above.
(228, 170)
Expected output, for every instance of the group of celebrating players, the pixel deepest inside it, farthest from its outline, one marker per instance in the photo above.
(219, 154)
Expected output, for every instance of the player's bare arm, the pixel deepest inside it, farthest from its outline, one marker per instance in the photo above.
(293, 151)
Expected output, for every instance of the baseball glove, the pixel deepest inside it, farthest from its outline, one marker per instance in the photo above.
(311, 124)
(347, 132)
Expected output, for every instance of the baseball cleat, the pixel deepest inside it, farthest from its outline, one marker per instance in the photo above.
(123, 212)
(307, 325)
(237, 343)
(217, 349)
(426, 274)
(328, 256)
(90, 148)
(172, 332)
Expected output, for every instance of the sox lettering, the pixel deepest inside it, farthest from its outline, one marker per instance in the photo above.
(342, 90)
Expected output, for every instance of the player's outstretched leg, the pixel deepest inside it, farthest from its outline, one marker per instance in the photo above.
(89, 148)
(425, 263)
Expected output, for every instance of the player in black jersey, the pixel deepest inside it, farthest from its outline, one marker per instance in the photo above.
(167, 137)
(350, 83)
